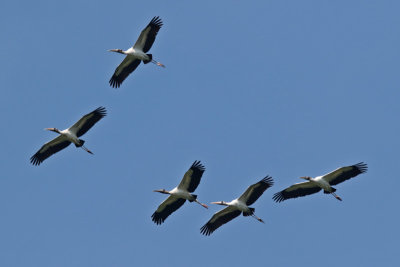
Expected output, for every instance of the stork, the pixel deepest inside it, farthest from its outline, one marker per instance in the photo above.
(180, 194)
(325, 182)
(137, 53)
(68, 136)
(237, 206)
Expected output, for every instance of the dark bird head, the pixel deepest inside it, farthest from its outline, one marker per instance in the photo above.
(53, 130)
(308, 178)
(223, 203)
(163, 191)
(117, 50)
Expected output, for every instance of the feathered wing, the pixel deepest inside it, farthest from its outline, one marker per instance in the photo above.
(254, 191)
(296, 190)
(170, 205)
(87, 121)
(148, 35)
(345, 173)
(221, 217)
(50, 148)
(192, 177)
(127, 66)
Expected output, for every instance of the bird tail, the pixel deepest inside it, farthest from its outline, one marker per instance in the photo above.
(149, 60)
(333, 191)
(81, 142)
(249, 213)
(194, 198)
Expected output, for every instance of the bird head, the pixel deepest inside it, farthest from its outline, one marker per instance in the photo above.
(53, 130)
(163, 191)
(223, 203)
(306, 178)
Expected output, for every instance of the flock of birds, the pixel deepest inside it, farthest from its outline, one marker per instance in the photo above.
(191, 179)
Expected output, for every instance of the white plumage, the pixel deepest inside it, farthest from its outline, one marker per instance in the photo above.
(325, 182)
(68, 136)
(237, 206)
(180, 194)
(137, 53)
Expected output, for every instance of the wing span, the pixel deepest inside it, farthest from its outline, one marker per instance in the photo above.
(296, 190)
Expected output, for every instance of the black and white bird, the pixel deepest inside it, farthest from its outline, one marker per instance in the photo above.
(325, 182)
(180, 194)
(137, 53)
(68, 136)
(237, 206)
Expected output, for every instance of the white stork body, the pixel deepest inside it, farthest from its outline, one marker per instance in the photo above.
(237, 206)
(68, 136)
(137, 53)
(325, 182)
(180, 194)
(322, 183)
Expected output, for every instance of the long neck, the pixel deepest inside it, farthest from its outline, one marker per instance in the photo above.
(307, 178)
(54, 130)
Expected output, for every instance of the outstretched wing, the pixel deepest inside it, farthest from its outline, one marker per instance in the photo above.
(345, 173)
(253, 192)
(296, 190)
(148, 35)
(218, 219)
(50, 148)
(171, 204)
(127, 66)
(87, 121)
(192, 177)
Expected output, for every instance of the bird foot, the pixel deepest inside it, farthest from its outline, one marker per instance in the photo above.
(338, 198)
(160, 64)
(260, 220)
(204, 205)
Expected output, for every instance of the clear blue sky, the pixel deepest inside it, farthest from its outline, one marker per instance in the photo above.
(251, 88)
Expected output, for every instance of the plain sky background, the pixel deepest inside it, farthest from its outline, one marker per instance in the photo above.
(251, 88)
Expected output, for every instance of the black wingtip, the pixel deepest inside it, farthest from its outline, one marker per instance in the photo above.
(157, 219)
(197, 165)
(205, 230)
(362, 167)
(156, 21)
(278, 197)
(114, 83)
(101, 111)
(35, 160)
(268, 181)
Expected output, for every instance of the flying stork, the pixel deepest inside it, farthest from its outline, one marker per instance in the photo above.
(237, 206)
(180, 194)
(325, 182)
(68, 136)
(137, 53)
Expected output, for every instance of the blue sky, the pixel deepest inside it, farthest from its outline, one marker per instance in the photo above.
(251, 88)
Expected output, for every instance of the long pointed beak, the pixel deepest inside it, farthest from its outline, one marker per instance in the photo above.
(215, 202)
(48, 129)
(161, 191)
